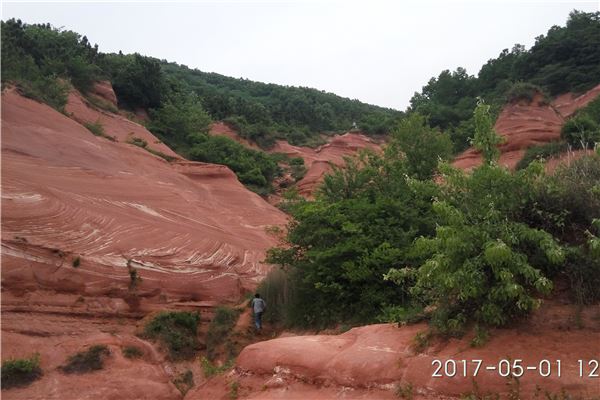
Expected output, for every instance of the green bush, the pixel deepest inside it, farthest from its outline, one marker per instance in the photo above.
(132, 352)
(363, 220)
(136, 141)
(20, 371)
(96, 128)
(422, 146)
(177, 331)
(542, 152)
(255, 169)
(209, 369)
(524, 91)
(481, 265)
(581, 131)
(218, 331)
(184, 381)
(86, 361)
(76, 262)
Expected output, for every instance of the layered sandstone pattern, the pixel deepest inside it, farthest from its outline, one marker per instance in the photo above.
(321, 160)
(191, 230)
(523, 125)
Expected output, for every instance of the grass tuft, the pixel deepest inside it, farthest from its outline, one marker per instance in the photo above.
(89, 360)
(20, 371)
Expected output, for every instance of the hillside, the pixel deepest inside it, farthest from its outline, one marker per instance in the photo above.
(138, 222)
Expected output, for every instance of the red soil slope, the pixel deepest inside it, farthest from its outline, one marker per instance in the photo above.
(370, 361)
(525, 125)
(191, 230)
(319, 161)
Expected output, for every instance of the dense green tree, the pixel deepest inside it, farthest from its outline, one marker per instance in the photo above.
(422, 146)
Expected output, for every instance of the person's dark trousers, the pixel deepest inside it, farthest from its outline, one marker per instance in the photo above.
(258, 320)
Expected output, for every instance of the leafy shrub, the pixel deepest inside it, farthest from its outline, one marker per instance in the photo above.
(298, 169)
(76, 262)
(184, 381)
(255, 169)
(177, 331)
(137, 142)
(20, 371)
(233, 390)
(566, 202)
(421, 145)
(485, 139)
(47, 90)
(209, 369)
(223, 322)
(86, 361)
(581, 131)
(542, 152)
(363, 221)
(96, 128)
(566, 205)
(481, 265)
(161, 154)
(132, 352)
(524, 91)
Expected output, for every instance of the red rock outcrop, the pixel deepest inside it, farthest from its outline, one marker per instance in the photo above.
(104, 90)
(190, 229)
(370, 361)
(57, 337)
(319, 161)
(523, 125)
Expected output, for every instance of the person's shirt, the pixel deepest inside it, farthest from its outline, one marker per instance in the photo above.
(258, 305)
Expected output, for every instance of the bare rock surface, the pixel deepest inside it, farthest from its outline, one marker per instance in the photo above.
(374, 361)
(319, 161)
(523, 125)
(191, 230)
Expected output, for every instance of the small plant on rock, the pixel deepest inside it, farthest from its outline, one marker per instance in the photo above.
(20, 371)
(184, 381)
(89, 360)
(177, 331)
(132, 352)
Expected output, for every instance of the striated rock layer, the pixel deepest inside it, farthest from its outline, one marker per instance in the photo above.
(319, 161)
(191, 230)
(524, 125)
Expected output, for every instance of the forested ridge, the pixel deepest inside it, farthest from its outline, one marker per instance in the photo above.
(565, 59)
(44, 62)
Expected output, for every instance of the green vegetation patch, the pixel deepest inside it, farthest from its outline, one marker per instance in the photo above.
(177, 331)
(210, 369)
(132, 352)
(219, 329)
(184, 381)
(542, 152)
(20, 371)
(89, 360)
(398, 237)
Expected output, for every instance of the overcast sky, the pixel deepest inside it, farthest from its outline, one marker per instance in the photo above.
(379, 52)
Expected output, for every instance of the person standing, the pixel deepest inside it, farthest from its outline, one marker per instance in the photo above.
(259, 306)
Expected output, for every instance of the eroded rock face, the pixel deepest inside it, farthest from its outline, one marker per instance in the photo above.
(57, 337)
(383, 356)
(191, 230)
(104, 90)
(524, 125)
(319, 161)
